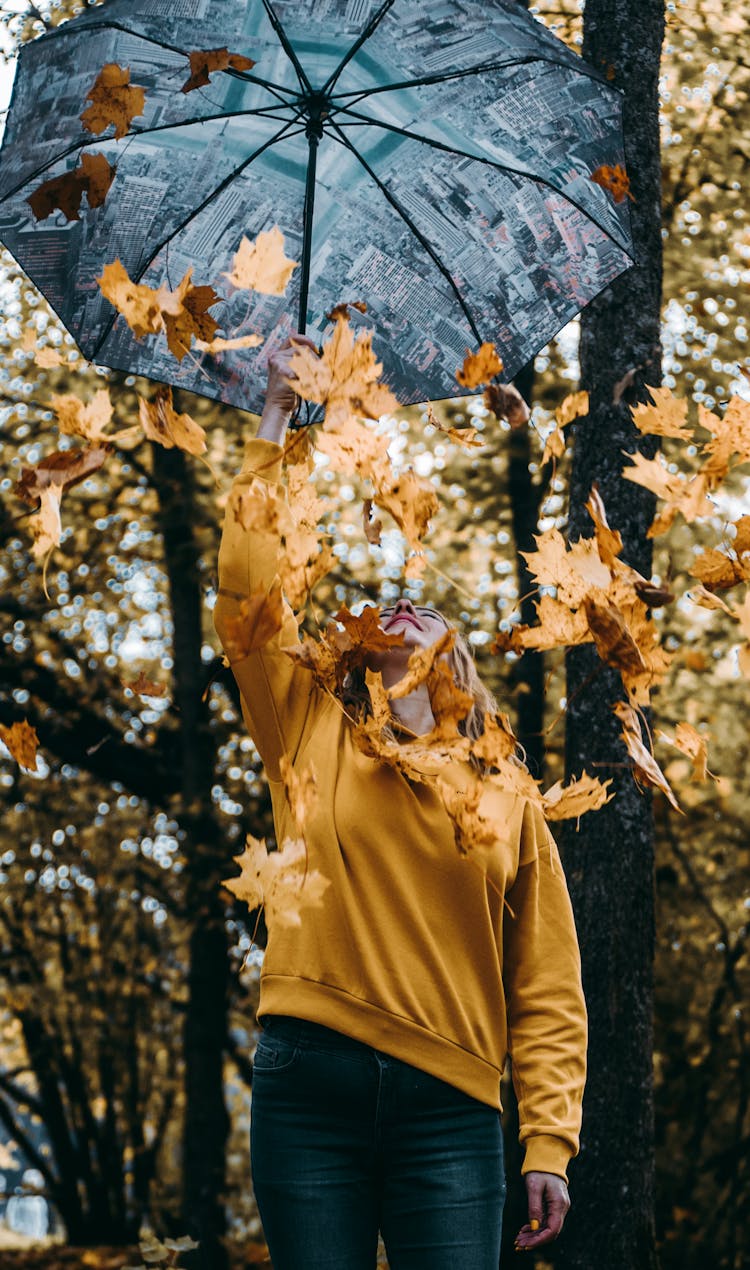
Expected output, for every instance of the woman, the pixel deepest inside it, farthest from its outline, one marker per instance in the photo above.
(389, 1011)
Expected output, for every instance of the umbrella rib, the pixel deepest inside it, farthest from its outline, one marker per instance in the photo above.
(64, 30)
(443, 77)
(196, 212)
(374, 22)
(262, 111)
(287, 47)
(410, 224)
(493, 163)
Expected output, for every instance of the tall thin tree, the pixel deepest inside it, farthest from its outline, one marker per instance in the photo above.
(609, 860)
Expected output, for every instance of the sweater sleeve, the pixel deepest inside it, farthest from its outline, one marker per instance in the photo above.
(547, 1022)
(276, 694)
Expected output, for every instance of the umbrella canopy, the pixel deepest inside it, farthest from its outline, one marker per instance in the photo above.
(432, 160)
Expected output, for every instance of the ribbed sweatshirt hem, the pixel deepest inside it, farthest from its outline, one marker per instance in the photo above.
(394, 1034)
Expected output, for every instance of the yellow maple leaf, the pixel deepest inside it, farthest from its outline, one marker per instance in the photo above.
(280, 881)
(410, 499)
(261, 265)
(344, 379)
(22, 741)
(694, 744)
(583, 793)
(180, 313)
(717, 571)
(220, 345)
(114, 100)
(480, 367)
(685, 494)
(420, 665)
(667, 417)
(646, 770)
(260, 617)
(572, 571)
(204, 62)
(83, 419)
(161, 423)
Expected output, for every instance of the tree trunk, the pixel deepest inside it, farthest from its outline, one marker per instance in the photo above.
(206, 1119)
(609, 860)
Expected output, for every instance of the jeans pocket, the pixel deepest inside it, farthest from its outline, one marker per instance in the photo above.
(275, 1054)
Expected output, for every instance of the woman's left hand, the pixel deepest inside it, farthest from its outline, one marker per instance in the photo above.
(548, 1206)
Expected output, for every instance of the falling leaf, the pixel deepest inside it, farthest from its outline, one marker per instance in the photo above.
(497, 742)
(260, 617)
(342, 310)
(203, 63)
(465, 437)
(144, 687)
(583, 793)
(681, 493)
(372, 526)
(557, 627)
(344, 379)
(411, 501)
(48, 358)
(646, 770)
(694, 744)
(261, 265)
(280, 881)
(83, 419)
(707, 600)
(92, 177)
(667, 417)
(717, 571)
(450, 705)
(480, 367)
(572, 571)
(615, 179)
(506, 402)
(421, 664)
(574, 406)
(609, 541)
(161, 423)
(63, 468)
(114, 100)
(22, 741)
(220, 345)
(474, 833)
(147, 311)
(301, 791)
(614, 642)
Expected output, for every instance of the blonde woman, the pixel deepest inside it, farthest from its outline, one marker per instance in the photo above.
(388, 1013)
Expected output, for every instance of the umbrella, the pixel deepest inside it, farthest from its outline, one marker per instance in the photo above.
(433, 161)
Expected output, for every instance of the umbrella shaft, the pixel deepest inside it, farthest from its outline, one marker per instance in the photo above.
(307, 218)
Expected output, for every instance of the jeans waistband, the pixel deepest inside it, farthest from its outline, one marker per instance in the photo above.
(302, 1031)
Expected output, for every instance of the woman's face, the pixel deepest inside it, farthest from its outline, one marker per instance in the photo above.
(420, 625)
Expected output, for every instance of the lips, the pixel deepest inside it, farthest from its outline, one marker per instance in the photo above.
(404, 617)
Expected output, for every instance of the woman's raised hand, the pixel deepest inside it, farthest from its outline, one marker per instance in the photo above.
(280, 396)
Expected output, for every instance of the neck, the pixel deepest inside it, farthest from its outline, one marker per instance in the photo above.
(414, 711)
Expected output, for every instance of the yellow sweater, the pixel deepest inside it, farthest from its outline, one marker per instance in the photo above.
(412, 951)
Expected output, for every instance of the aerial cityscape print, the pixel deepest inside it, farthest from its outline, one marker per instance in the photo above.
(460, 209)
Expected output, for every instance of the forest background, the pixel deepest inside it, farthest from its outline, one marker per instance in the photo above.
(104, 893)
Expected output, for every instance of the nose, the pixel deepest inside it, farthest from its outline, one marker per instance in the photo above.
(404, 605)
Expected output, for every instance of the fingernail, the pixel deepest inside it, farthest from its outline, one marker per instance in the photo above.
(534, 1223)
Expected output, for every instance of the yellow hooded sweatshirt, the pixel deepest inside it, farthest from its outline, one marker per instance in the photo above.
(412, 951)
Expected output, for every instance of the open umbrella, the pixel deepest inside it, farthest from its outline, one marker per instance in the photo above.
(434, 161)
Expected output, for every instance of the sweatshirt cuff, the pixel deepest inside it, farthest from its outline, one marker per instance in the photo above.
(263, 458)
(546, 1154)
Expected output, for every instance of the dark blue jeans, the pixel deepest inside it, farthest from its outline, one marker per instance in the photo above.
(347, 1141)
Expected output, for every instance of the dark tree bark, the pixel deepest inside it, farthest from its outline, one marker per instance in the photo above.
(206, 1119)
(609, 860)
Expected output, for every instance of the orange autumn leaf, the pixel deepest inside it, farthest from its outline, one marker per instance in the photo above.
(180, 313)
(497, 742)
(342, 310)
(303, 561)
(480, 367)
(474, 833)
(144, 687)
(573, 407)
(92, 177)
(609, 541)
(203, 63)
(615, 180)
(614, 641)
(421, 664)
(646, 770)
(719, 572)
(63, 469)
(572, 571)
(22, 741)
(161, 423)
(372, 526)
(364, 635)
(261, 265)
(506, 402)
(83, 419)
(450, 705)
(681, 493)
(48, 358)
(667, 417)
(558, 627)
(583, 793)
(114, 100)
(694, 744)
(465, 437)
(280, 881)
(411, 501)
(344, 379)
(220, 345)
(260, 617)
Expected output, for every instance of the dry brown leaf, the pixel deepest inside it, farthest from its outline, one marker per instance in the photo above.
(92, 177)
(474, 833)
(114, 100)
(420, 665)
(583, 793)
(83, 419)
(480, 367)
(260, 617)
(354, 448)
(694, 744)
(144, 687)
(180, 313)
(22, 741)
(614, 179)
(450, 704)
(48, 358)
(558, 628)
(342, 310)
(411, 501)
(707, 600)
(608, 540)
(680, 492)
(614, 641)
(646, 770)
(464, 437)
(161, 423)
(303, 561)
(280, 881)
(63, 468)
(220, 345)
(497, 743)
(717, 571)
(344, 379)
(506, 402)
(204, 62)
(261, 265)
(572, 571)
(372, 526)
(301, 791)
